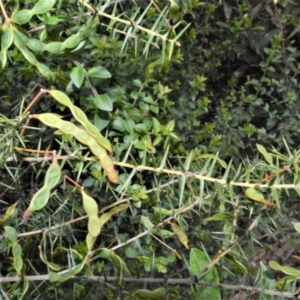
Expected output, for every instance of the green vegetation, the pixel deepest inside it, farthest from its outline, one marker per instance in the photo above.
(149, 149)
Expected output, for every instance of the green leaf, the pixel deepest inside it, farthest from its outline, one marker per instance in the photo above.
(220, 217)
(119, 124)
(104, 102)
(156, 127)
(43, 6)
(99, 72)
(129, 124)
(141, 128)
(77, 76)
(131, 252)
(170, 126)
(100, 123)
(227, 10)
(199, 261)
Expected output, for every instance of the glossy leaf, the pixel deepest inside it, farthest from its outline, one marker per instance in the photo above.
(77, 76)
(104, 102)
(199, 261)
(99, 72)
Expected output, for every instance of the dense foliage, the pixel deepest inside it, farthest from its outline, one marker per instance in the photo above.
(183, 194)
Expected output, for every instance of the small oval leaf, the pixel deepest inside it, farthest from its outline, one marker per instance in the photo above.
(99, 72)
(77, 76)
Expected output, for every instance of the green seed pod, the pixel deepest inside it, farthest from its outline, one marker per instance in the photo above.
(90, 241)
(83, 137)
(28, 55)
(6, 38)
(159, 293)
(35, 45)
(89, 204)
(17, 254)
(60, 97)
(3, 60)
(91, 208)
(22, 16)
(53, 175)
(105, 161)
(54, 47)
(80, 116)
(94, 226)
(48, 119)
(40, 199)
(72, 41)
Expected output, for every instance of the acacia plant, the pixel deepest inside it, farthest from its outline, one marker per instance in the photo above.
(97, 201)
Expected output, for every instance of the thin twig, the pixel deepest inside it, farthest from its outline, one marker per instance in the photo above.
(6, 17)
(187, 174)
